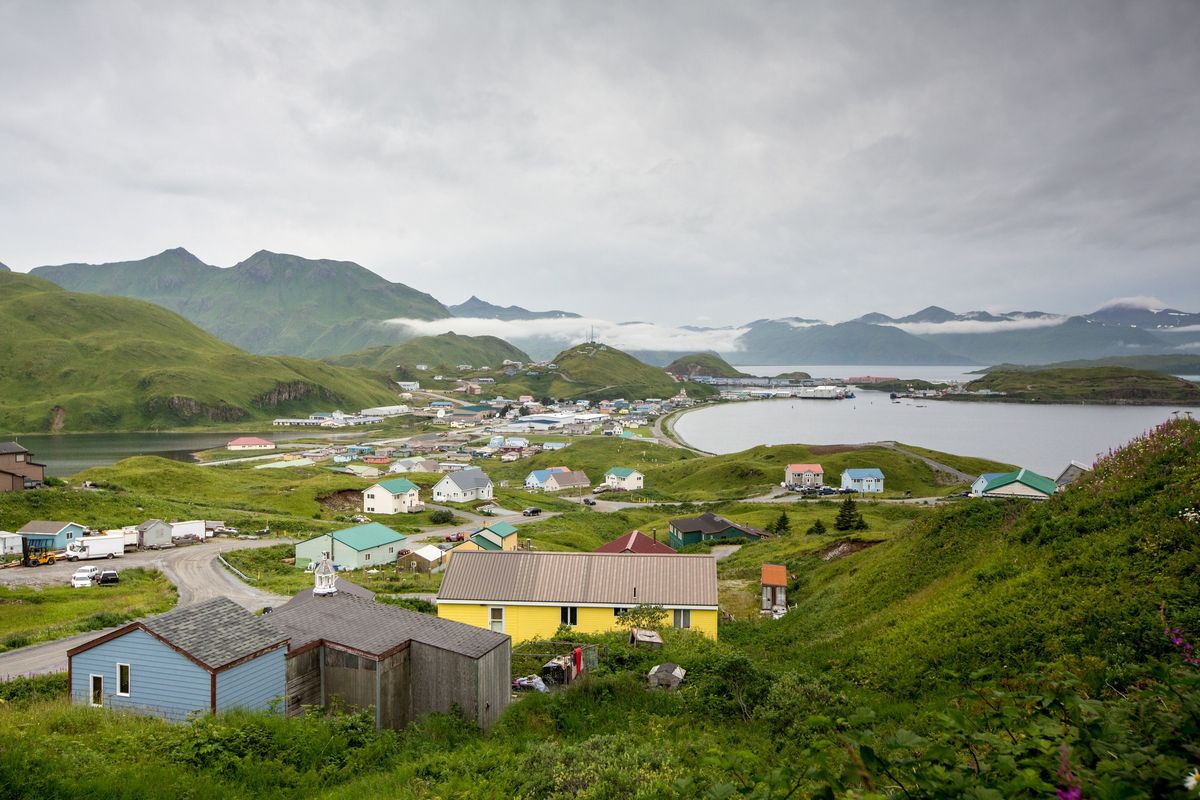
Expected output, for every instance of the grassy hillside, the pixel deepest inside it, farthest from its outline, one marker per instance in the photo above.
(77, 362)
(596, 372)
(1076, 338)
(703, 364)
(1174, 365)
(676, 474)
(1090, 385)
(269, 303)
(443, 350)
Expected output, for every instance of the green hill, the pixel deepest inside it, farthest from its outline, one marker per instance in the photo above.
(269, 303)
(443, 350)
(708, 365)
(79, 362)
(595, 372)
(1174, 365)
(1119, 385)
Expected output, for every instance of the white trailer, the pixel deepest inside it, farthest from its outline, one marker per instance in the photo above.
(102, 546)
(191, 529)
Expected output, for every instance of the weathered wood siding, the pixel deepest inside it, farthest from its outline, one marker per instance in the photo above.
(255, 684)
(495, 684)
(442, 680)
(349, 678)
(395, 690)
(304, 681)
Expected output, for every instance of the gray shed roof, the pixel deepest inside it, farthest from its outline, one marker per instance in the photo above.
(44, 526)
(620, 579)
(468, 479)
(7, 448)
(215, 632)
(376, 628)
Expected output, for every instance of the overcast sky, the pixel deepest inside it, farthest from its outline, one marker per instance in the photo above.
(683, 162)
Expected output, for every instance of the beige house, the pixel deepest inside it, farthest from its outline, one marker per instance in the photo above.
(395, 496)
(804, 475)
(575, 479)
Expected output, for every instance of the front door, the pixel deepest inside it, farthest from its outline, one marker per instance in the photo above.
(97, 690)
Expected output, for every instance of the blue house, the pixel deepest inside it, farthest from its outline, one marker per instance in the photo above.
(863, 480)
(46, 535)
(204, 658)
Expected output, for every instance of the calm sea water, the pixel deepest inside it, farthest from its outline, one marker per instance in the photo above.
(66, 454)
(928, 373)
(1041, 437)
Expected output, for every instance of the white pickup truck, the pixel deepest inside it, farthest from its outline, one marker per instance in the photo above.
(86, 547)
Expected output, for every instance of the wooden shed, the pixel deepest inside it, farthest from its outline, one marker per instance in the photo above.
(399, 662)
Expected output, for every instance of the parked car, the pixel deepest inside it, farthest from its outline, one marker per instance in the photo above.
(587, 501)
(531, 512)
(600, 489)
(84, 576)
(457, 536)
(108, 577)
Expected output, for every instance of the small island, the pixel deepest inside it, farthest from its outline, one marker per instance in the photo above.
(1088, 385)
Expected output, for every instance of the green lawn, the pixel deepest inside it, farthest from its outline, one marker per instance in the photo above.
(29, 615)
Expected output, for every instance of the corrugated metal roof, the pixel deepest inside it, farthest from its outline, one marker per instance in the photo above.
(374, 627)
(1023, 476)
(635, 542)
(870, 472)
(364, 537)
(623, 579)
(397, 485)
(621, 472)
(469, 479)
(774, 575)
(216, 631)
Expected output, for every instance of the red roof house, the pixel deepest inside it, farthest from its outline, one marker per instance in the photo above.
(635, 542)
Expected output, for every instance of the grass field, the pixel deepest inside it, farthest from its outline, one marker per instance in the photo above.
(28, 615)
(268, 569)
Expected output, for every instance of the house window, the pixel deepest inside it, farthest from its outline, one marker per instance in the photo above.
(569, 615)
(370, 497)
(391, 549)
(496, 619)
(97, 690)
(683, 618)
(123, 680)
(620, 612)
(366, 557)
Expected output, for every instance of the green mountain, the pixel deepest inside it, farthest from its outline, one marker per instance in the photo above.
(708, 365)
(1099, 385)
(595, 372)
(1172, 365)
(443, 350)
(782, 342)
(79, 362)
(269, 303)
(481, 309)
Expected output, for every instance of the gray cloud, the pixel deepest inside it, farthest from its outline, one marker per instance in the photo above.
(670, 161)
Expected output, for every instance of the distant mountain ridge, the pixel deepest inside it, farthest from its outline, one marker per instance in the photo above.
(269, 303)
(481, 309)
(84, 362)
(444, 350)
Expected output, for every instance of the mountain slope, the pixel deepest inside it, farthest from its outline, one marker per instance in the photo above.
(595, 372)
(1172, 365)
(1089, 385)
(778, 342)
(78, 362)
(1076, 338)
(708, 365)
(481, 309)
(269, 303)
(443, 350)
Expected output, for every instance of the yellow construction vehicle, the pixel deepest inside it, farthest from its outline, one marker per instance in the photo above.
(40, 557)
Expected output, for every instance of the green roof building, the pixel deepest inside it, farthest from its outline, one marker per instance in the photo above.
(360, 547)
(1020, 483)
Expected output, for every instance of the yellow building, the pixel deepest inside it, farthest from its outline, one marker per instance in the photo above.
(529, 595)
(494, 537)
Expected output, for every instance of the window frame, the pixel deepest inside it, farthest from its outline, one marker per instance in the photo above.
(492, 618)
(92, 690)
(682, 619)
(128, 679)
(568, 616)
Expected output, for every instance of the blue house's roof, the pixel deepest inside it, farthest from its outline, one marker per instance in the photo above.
(872, 472)
(213, 633)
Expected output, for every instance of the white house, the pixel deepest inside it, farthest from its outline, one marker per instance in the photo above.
(624, 479)
(1019, 483)
(571, 479)
(249, 443)
(395, 496)
(463, 486)
(805, 475)
(537, 479)
(863, 480)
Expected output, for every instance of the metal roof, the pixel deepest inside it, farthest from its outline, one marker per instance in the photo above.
(870, 472)
(635, 542)
(364, 537)
(565, 480)
(774, 575)
(468, 479)
(376, 628)
(806, 468)
(619, 579)
(215, 632)
(708, 523)
(45, 526)
(621, 472)
(1026, 477)
(7, 448)
(397, 485)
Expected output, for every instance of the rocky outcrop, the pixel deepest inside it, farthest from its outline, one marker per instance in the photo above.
(188, 408)
(292, 391)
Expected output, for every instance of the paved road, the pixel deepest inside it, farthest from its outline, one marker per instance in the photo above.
(725, 550)
(194, 570)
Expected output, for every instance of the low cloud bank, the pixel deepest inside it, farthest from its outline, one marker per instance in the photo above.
(1137, 301)
(977, 326)
(623, 336)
